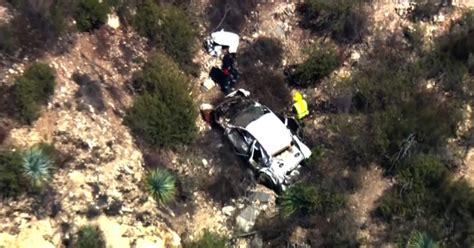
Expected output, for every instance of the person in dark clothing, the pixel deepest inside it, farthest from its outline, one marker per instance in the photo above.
(228, 67)
(222, 79)
(227, 76)
(228, 61)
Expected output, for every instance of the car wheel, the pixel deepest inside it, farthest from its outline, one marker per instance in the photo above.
(266, 180)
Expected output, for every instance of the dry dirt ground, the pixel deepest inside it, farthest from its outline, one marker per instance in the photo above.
(84, 120)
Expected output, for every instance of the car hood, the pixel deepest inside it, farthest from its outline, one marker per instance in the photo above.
(271, 133)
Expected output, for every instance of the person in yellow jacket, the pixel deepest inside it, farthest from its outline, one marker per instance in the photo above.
(300, 106)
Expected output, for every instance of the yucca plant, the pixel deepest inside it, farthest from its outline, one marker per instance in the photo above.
(36, 167)
(420, 240)
(161, 184)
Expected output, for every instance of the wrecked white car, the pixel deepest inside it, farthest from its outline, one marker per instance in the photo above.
(220, 40)
(267, 142)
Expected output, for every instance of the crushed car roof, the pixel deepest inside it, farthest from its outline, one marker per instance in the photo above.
(271, 133)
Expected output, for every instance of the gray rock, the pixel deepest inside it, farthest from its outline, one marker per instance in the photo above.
(257, 242)
(246, 219)
(228, 210)
(261, 197)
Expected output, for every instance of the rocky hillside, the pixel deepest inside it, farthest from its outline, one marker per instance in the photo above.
(101, 164)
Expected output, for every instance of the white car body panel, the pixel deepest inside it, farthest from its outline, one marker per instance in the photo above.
(303, 148)
(271, 133)
(245, 93)
(224, 38)
(287, 161)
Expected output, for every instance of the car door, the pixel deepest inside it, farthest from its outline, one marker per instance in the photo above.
(238, 141)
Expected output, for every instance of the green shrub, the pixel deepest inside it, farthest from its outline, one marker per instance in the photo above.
(32, 89)
(320, 63)
(430, 121)
(208, 240)
(268, 51)
(258, 63)
(3, 134)
(90, 237)
(10, 173)
(268, 87)
(161, 124)
(422, 169)
(425, 9)
(91, 14)
(164, 114)
(387, 95)
(457, 206)
(341, 231)
(7, 40)
(41, 20)
(303, 199)
(161, 184)
(449, 62)
(168, 27)
(410, 206)
(56, 21)
(345, 20)
(458, 42)
(425, 197)
(418, 176)
(352, 138)
(37, 167)
(415, 36)
(319, 152)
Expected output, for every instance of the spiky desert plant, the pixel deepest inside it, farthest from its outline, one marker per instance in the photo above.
(161, 184)
(90, 237)
(36, 167)
(421, 240)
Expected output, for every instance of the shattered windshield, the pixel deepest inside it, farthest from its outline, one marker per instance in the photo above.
(248, 115)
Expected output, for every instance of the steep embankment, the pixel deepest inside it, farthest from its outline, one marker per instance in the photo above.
(102, 170)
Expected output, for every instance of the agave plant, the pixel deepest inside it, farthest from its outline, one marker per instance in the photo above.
(161, 184)
(36, 167)
(421, 240)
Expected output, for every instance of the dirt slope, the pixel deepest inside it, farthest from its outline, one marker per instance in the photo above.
(84, 121)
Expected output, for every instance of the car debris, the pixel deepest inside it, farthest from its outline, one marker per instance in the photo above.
(207, 84)
(223, 44)
(269, 143)
(206, 112)
(222, 40)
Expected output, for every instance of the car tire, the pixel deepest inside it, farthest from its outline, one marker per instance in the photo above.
(264, 179)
